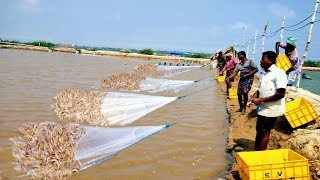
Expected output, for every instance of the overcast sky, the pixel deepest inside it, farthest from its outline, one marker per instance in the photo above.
(186, 25)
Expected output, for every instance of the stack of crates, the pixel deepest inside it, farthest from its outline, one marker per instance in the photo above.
(299, 112)
(233, 93)
(283, 62)
(273, 164)
(221, 78)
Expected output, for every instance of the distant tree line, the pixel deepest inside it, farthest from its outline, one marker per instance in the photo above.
(35, 43)
(198, 55)
(310, 63)
(42, 43)
(147, 51)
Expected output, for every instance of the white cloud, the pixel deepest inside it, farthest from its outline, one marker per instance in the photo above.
(30, 4)
(240, 25)
(279, 10)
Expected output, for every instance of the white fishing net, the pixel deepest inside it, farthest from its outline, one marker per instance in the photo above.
(105, 108)
(164, 70)
(99, 144)
(135, 83)
(158, 85)
(124, 108)
(174, 70)
(50, 150)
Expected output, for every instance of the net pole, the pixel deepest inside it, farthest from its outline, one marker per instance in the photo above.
(264, 35)
(308, 41)
(282, 27)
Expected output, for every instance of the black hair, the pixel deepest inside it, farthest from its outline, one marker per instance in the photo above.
(289, 48)
(271, 55)
(242, 53)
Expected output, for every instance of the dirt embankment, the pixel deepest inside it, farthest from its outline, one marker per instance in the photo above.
(305, 140)
(311, 68)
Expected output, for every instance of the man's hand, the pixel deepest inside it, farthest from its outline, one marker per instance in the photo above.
(256, 101)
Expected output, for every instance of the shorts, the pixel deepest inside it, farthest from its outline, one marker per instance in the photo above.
(228, 73)
(265, 123)
(244, 86)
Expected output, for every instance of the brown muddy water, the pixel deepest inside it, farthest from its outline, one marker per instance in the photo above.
(194, 148)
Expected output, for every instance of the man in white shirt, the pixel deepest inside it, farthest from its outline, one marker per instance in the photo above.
(269, 98)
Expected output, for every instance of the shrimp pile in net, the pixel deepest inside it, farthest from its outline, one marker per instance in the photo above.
(147, 69)
(126, 81)
(81, 106)
(47, 150)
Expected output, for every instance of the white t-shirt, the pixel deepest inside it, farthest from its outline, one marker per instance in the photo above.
(272, 80)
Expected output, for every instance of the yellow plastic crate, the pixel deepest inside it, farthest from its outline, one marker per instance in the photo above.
(283, 62)
(233, 93)
(221, 78)
(273, 164)
(299, 112)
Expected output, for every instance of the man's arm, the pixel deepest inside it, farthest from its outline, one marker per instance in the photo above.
(277, 47)
(234, 73)
(255, 94)
(251, 73)
(279, 94)
(223, 69)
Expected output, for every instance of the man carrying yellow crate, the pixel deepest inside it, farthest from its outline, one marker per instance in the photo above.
(292, 54)
(269, 97)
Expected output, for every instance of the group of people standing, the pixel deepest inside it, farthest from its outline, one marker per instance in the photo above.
(269, 97)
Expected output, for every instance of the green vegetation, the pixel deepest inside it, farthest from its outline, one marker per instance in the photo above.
(35, 43)
(147, 51)
(92, 49)
(310, 63)
(41, 43)
(14, 41)
(198, 55)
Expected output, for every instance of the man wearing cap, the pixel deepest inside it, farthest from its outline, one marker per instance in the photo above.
(292, 54)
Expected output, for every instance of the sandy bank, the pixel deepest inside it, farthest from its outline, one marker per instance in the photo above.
(108, 53)
(311, 68)
(242, 130)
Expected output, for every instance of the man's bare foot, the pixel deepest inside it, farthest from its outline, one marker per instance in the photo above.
(243, 112)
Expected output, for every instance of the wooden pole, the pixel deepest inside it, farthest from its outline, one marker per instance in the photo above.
(254, 45)
(248, 46)
(242, 38)
(264, 35)
(308, 42)
(282, 27)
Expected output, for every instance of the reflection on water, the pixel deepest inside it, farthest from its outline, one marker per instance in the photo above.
(193, 148)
